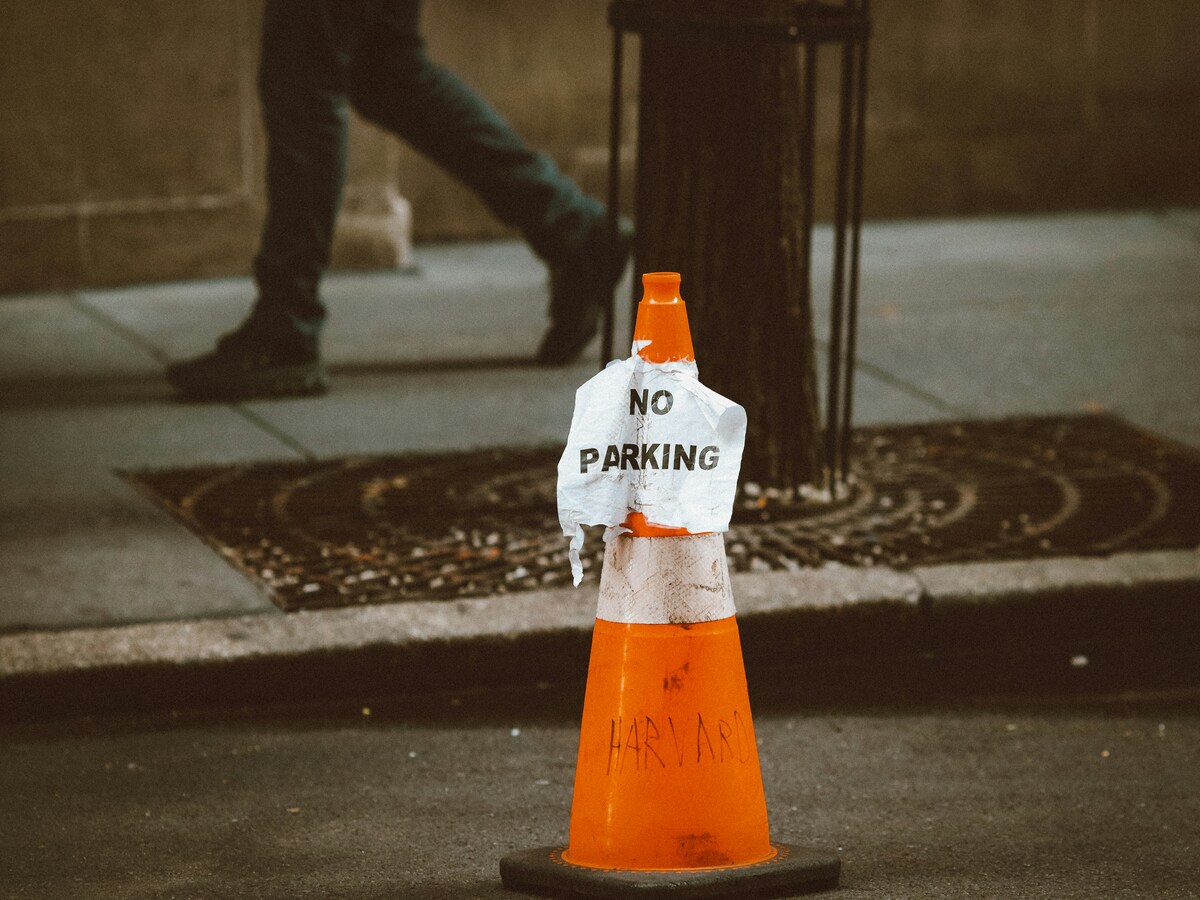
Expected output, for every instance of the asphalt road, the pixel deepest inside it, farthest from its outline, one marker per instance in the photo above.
(1080, 797)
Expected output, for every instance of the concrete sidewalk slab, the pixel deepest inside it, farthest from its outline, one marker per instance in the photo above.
(78, 544)
(1185, 221)
(432, 411)
(463, 305)
(1064, 313)
(59, 569)
(54, 354)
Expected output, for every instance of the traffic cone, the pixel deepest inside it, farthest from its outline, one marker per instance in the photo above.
(668, 796)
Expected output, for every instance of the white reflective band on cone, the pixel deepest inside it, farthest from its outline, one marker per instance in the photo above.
(665, 580)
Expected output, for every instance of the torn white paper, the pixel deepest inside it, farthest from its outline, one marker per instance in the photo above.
(649, 437)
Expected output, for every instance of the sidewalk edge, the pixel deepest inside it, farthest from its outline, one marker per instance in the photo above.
(831, 613)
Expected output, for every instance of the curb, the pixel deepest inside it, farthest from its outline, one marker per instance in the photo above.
(829, 620)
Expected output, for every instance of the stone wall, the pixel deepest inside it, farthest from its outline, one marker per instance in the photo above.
(132, 151)
(1025, 105)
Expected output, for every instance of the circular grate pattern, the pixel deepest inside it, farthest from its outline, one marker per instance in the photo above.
(388, 529)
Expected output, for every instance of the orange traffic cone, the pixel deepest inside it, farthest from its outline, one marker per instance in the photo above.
(668, 792)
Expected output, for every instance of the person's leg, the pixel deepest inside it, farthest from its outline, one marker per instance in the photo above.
(394, 84)
(307, 48)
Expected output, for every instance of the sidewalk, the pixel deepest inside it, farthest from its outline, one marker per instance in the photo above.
(958, 320)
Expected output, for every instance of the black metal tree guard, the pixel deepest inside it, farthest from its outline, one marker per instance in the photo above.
(812, 24)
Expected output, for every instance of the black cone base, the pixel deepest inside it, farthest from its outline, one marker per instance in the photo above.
(793, 870)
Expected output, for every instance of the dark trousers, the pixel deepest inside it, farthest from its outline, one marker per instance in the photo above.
(318, 57)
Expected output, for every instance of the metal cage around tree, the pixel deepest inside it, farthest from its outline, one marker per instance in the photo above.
(810, 25)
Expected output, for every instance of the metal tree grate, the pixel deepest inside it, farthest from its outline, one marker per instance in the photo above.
(421, 527)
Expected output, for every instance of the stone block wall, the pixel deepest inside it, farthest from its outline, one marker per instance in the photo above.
(131, 147)
(985, 107)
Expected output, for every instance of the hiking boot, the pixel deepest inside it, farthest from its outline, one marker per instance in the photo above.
(249, 364)
(579, 294)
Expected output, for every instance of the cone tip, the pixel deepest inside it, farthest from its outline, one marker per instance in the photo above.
(661, 287)
(662, 325)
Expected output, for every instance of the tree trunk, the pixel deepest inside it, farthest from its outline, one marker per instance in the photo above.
(720, 199)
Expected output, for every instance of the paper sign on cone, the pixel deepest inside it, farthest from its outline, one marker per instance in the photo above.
(650, 438)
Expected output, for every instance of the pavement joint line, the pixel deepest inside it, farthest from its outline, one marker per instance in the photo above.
(280, 435)
(832, 589)
(881, 374)
(161, 357)
(1163, 217)
(107, 321)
